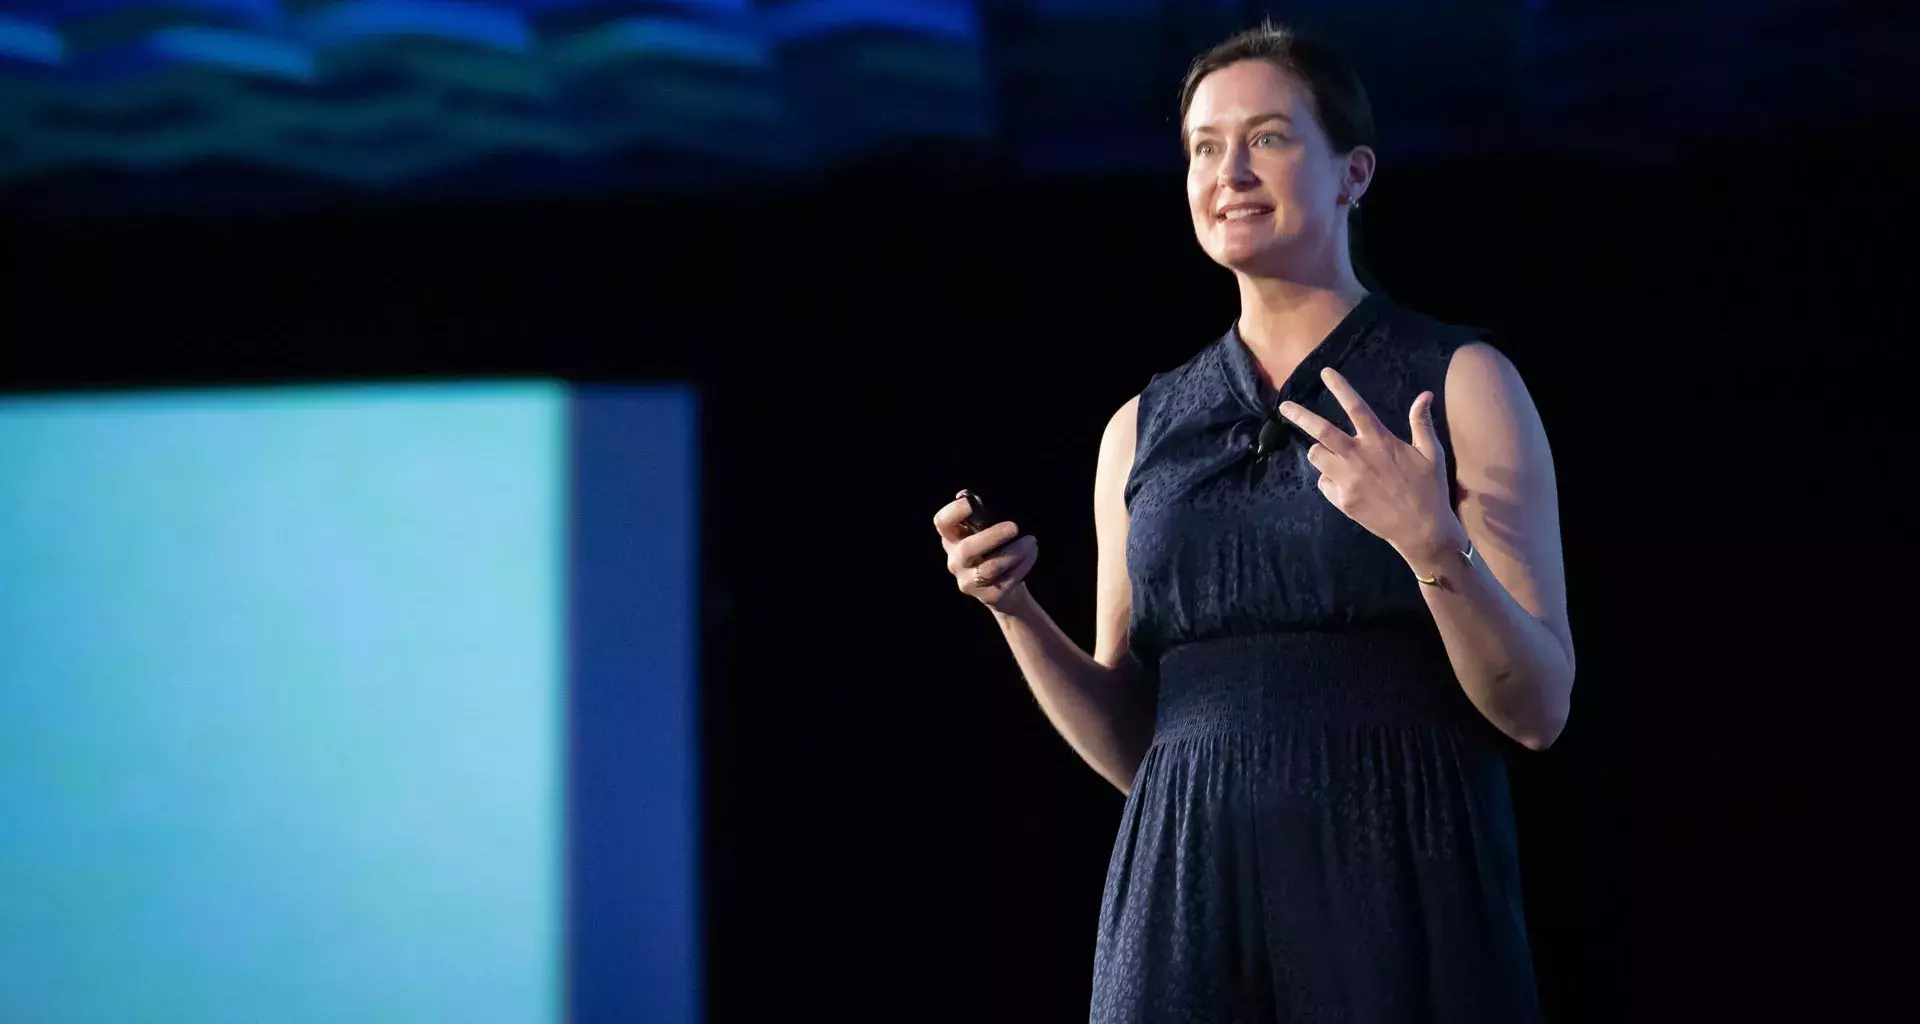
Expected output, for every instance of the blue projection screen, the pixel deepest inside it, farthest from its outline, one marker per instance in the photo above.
(291, 694)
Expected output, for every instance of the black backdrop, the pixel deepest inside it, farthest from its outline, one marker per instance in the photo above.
(893, 831)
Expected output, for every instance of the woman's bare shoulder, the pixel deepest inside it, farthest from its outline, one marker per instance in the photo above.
(1117, 440)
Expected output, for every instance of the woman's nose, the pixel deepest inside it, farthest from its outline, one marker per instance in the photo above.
(1236, 167)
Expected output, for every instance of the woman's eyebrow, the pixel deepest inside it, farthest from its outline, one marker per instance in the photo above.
(1273, 115)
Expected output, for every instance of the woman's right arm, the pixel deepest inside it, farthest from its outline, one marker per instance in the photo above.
(1093, 701)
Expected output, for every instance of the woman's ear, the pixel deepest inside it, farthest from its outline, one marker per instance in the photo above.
(1359, 171)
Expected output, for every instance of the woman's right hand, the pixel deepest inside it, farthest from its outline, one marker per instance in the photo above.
(991, 565)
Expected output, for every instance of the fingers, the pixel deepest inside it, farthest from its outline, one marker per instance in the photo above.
(1426, 440)
(1330, 488)
(1318, 427)
(984, 564)
(1006, 567)
(1320, 457)
(947, 521)
(970, 551)
(1365, 423)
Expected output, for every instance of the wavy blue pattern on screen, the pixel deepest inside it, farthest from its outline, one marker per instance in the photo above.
(22, 39)
(476, 23)
(438, 97)
(237, 51)
(479, 79)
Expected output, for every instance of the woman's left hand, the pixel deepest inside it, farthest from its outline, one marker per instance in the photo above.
(1396, 490)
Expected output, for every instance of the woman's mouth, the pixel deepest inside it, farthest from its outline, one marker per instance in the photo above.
(1242, 211)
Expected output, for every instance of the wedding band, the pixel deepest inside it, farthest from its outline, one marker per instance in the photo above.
(979, 580)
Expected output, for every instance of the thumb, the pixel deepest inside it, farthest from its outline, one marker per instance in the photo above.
(1425, 439)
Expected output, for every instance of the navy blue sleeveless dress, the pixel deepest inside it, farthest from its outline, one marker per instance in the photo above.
(1321, 829)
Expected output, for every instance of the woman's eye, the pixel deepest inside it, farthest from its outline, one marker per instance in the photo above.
(1203, 149)
(1269, 138)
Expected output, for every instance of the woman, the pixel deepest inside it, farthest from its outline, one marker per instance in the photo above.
(1317, 643)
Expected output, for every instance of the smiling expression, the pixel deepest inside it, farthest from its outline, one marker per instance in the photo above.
(1263, 182)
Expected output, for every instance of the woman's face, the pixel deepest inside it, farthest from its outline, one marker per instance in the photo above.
(1263, 182)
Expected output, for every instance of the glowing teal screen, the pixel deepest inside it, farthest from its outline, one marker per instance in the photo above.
(282, 705)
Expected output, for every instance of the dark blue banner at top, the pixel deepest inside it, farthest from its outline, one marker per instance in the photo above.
(218, 99)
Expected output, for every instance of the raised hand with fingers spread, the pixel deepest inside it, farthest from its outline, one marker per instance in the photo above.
(1396, 490)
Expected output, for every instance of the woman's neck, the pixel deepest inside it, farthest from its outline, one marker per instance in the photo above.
(1282, 320)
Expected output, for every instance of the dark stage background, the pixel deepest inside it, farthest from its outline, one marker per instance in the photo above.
(1716, 331)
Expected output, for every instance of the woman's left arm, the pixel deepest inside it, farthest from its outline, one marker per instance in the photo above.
(1504, 615)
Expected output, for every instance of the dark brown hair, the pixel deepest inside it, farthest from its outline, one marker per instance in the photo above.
(1339, 100)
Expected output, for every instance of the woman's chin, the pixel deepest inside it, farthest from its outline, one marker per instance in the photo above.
(1266, 256)
(1243, 256)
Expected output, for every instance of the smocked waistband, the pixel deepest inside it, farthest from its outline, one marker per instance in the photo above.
(1397, 675)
